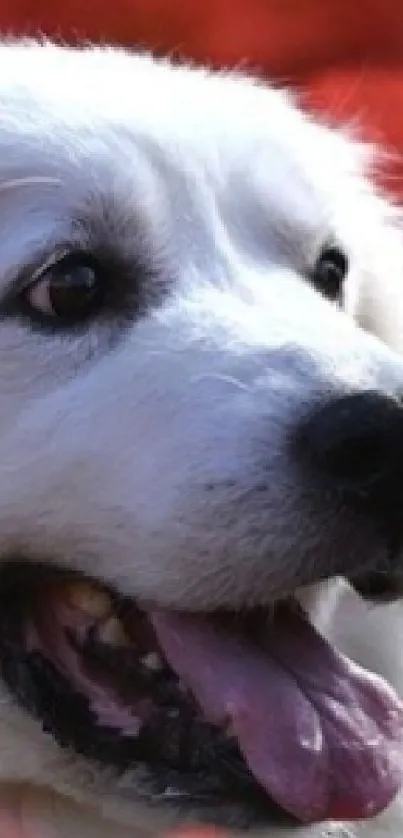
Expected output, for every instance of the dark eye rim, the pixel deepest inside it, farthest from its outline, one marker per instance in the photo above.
(133, 284)
(330, 271)
(115, 275)
(68, 261)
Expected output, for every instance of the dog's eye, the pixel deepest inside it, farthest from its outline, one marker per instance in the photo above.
(70, 289)
(330, 271)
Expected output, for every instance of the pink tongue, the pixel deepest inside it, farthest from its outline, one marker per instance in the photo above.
(321, 735)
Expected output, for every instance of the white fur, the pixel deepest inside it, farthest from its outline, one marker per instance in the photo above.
(225, 192)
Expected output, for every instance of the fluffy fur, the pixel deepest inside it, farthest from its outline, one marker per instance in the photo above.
(215, 194)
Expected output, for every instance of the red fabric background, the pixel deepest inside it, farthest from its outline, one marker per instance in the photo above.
(347, 53)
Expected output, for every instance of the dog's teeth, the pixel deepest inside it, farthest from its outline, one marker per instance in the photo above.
(152, 661)
(112, 633)
(90, 600)
(229, 729)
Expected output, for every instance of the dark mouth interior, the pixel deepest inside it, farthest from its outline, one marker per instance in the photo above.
(97, 682)
(103, 676)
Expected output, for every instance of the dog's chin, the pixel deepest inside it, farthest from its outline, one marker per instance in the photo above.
(96, 671)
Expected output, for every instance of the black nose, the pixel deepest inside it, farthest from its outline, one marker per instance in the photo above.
(356, 441)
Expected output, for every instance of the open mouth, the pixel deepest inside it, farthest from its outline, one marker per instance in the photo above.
(221, 708)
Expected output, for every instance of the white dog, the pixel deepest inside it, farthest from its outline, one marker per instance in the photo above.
(201, 418)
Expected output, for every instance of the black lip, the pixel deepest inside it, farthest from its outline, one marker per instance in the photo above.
(378, 586)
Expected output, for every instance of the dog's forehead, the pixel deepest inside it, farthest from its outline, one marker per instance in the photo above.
(132, 138)
(221, 119)
(101, 84)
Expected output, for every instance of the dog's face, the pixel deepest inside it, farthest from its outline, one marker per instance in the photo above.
(199, 416)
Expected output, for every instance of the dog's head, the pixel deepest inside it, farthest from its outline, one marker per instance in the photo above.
(199, 416)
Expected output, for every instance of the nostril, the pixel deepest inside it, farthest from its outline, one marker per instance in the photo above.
(355, 440)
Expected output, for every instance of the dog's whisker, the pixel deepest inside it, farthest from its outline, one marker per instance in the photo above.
(229, 379)
(32, 180)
